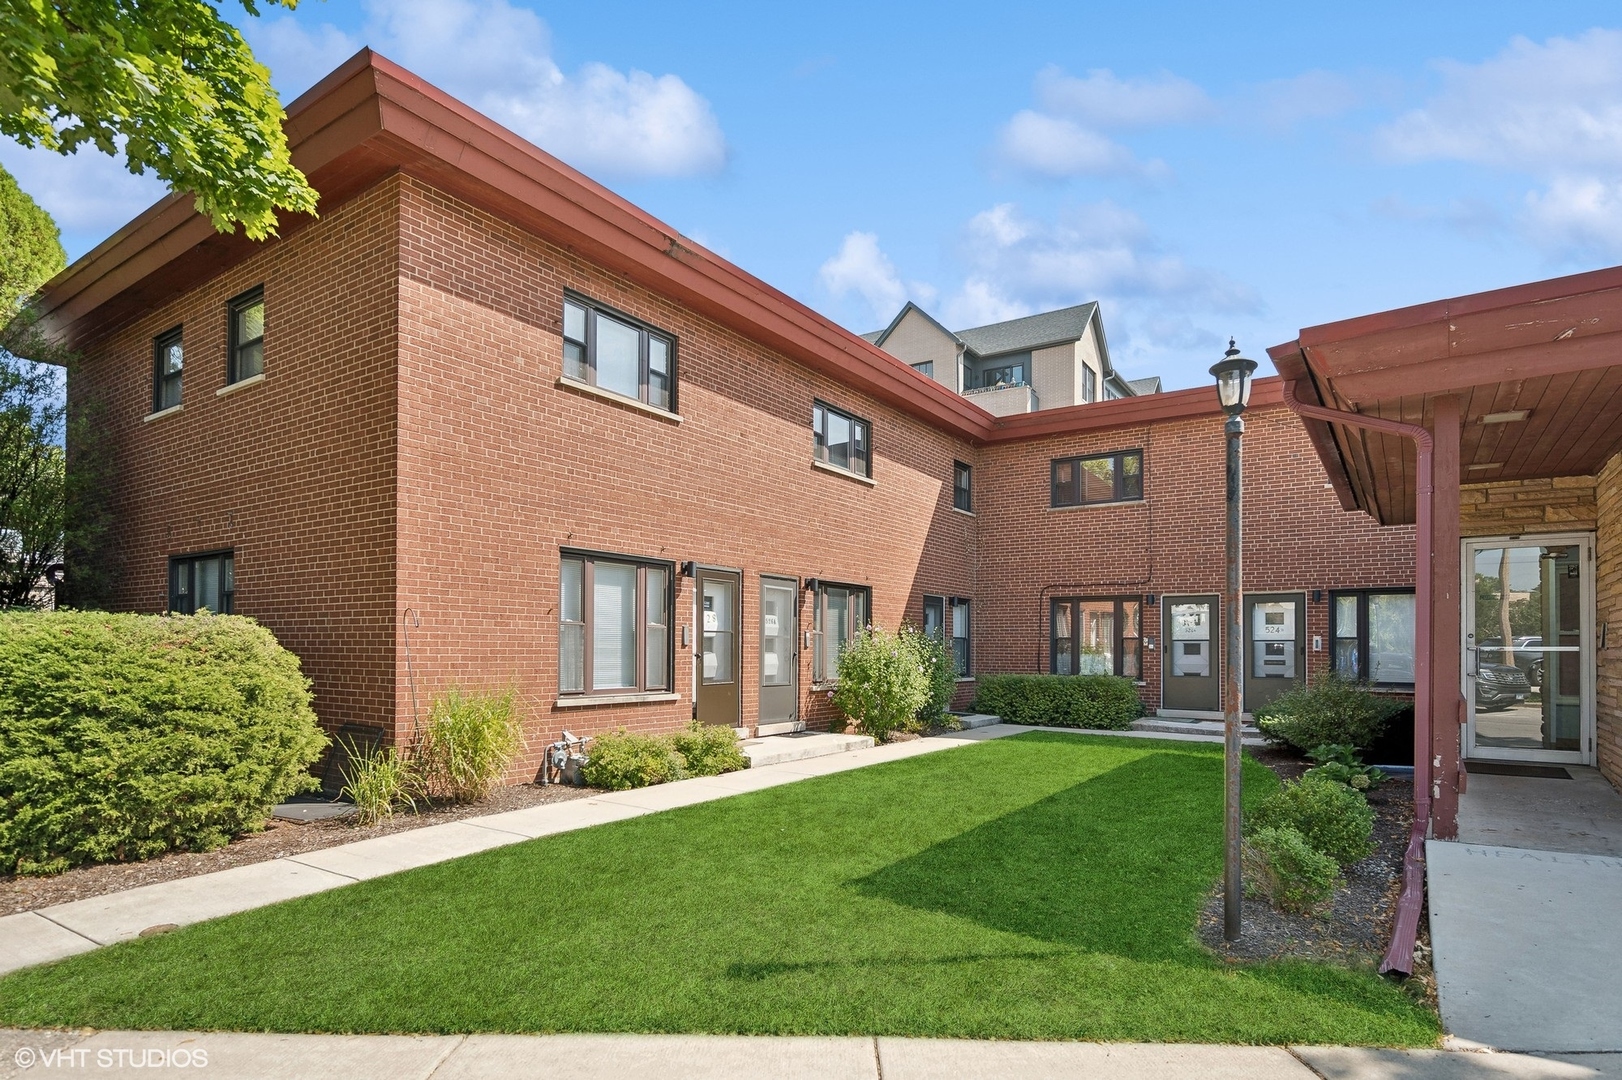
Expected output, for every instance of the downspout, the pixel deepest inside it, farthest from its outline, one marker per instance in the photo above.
(1399, 956)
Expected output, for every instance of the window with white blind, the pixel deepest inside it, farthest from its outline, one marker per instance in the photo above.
(613, 625)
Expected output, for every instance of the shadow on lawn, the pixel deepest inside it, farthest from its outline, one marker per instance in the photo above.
(1118, 864)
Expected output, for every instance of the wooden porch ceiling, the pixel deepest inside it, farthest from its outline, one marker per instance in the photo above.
(1551, 349)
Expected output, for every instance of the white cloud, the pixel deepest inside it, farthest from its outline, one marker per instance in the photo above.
(1052, 146)
(1552, 111)
(497, 58)
(862, 267)
(1104, 100)
(89, 193)
(1281, 104)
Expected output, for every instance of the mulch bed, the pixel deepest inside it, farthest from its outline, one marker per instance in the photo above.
(279, 838)
(1356, 928)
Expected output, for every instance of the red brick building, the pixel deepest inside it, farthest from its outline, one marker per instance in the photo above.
(483, 422)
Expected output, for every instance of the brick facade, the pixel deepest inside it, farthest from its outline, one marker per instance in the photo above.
(1608, 613)
(1560, 504)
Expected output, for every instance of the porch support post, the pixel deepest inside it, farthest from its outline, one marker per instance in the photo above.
(1447, 703)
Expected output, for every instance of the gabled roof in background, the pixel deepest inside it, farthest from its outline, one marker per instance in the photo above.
(879, 337)
(1151, 385)
(1031, 332)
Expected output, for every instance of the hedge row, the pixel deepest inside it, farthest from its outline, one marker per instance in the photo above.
(126, 736)
(1081, 701)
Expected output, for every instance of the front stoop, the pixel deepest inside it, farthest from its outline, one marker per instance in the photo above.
(776, 749)
(1192, 727)
(976, 720)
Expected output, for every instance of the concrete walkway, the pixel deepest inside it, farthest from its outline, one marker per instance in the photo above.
(51, 933)
(737, 1057)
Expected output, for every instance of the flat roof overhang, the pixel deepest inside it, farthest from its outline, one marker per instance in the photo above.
(1551, 349)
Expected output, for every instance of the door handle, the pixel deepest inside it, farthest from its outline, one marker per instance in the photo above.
(1472, 659)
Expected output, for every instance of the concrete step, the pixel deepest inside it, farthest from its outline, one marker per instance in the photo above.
(776, 749)
(1189, 727)
(974, 720)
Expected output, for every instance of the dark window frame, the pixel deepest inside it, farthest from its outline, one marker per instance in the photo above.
(188, 563)
(1361, 637)
(163, 378)
(235, 345)
(1089, 383)
(1118, 646)
(1122, 491)
(587, 359)
(963, 487)
(819, 437)
(925, 368)
(587, 621)
(965, 662)
(820, 676)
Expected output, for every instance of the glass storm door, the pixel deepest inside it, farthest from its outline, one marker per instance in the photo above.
(779, 659)
(719, 653)
(1191, 657)
(1528, 648)
(1275, 646)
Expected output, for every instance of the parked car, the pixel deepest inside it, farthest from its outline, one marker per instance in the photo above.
(1498, 686)
(1526, 653)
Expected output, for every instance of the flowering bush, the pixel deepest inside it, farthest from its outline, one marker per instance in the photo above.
(940, 669)
(883, 683)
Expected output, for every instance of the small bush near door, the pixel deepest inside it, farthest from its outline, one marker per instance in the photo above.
(469, 741)
(940, 672)
(1280, 865)
(126, 736)
(882, 682)
(1081, 701)
(1328, 711)
(1334, 819)
(620, 760)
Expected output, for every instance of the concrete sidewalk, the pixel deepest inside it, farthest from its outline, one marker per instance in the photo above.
(703, 1057)
(52, 933)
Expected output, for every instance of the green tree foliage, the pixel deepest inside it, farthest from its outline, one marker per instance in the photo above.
(168, 82)
(33, 478)
(30, 247)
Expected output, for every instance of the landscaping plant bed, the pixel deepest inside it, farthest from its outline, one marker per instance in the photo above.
(279, 839)
(1356, 928)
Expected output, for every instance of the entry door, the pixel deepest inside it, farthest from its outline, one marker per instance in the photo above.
(1191, 663)
(720, 596)
(779, 658)
(1529, 648)
(1275, 645)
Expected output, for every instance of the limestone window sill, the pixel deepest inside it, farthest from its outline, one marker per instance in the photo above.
(1096, 505)
(161, 413)
(581, 700)
(846, 473)
(569, 383)
(240, 384)
(960, 510)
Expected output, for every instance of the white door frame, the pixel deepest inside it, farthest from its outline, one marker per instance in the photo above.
(1584, 755)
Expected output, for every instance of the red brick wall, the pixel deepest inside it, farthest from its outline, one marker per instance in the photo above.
(296, 474)
(1296, 536)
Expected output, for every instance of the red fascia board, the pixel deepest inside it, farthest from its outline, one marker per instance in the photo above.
(1129, 412)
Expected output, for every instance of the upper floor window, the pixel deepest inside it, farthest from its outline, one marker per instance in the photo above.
(1003, 375)
(247, 357)
(168, 357)
(841, 440)
(1089, 384)
(925, 368)
(198, 582)
(1101, 478)
(1097, 637)
(615, 352)
(613, 625)
(1373, 632)
(962, 492)
(839, 616)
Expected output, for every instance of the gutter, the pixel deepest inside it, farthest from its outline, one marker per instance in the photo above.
(1399, 956)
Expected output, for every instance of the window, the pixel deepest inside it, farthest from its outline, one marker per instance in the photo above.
(202, 582)
(1003, 375)
(615, 352)
(935, 616)
(1097, 637)
(840, 614)
(925, 368)
(841, 440)
(960, 635)
(1105, 478)
(1373, 632)
(1089, 384)
(613, 625)
(168, 357)
(247, 357)
(962, 492)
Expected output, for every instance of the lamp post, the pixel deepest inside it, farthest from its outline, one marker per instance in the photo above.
(1233, 374)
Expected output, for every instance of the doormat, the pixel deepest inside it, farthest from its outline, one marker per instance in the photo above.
(1510, 768)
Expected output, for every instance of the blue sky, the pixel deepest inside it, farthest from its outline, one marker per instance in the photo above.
(1201, 169)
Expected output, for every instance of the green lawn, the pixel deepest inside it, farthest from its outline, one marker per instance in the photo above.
(1039, 887)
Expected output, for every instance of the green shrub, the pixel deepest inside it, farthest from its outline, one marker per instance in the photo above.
(1342, 764)
(379, 782)
(1329, 710)
(126, 736)
(882, 683)
(1280, 864)
(708, 750)
(619, 760)
(1335, 819)
(940, 673)
(1085, 701)
(467, 744)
